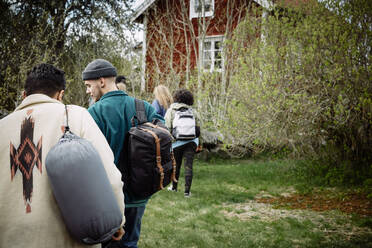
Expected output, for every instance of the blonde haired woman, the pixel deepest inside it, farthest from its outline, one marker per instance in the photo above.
(163, 99)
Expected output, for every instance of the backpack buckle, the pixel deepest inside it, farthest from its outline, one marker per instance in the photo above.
(158, 159)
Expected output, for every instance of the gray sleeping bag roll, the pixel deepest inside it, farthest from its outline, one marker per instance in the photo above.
(82, 190)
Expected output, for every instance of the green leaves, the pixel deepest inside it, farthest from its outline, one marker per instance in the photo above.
(305, 83)
(68, 34)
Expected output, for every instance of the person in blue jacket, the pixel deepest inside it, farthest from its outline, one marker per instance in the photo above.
(112, 111)
(163, 99)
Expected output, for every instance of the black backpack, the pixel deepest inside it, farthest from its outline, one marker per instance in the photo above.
(146, 160)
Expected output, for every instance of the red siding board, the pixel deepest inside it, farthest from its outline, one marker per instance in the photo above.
(166, 41)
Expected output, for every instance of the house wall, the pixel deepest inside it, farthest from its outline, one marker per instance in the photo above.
(172, 38)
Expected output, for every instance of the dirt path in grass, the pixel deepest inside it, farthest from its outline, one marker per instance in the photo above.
(318, 207)
(351, 203)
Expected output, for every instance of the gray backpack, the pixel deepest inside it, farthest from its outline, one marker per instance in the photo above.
(184, 124)
(82, 190)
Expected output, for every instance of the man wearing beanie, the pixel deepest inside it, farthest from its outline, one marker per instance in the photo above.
(29, 214)
(113, 109)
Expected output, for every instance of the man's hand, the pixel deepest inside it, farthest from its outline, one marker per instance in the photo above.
(119, 234)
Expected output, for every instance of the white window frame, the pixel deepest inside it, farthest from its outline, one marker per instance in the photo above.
(212, 52)
(194, 13)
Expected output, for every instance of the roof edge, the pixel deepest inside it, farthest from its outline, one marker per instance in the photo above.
(141, 9)
(267, 4)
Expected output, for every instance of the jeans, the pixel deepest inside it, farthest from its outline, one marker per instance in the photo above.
(132, 228)
(186, 151)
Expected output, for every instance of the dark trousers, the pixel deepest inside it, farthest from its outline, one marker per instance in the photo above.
(132, 228)
(186, 151)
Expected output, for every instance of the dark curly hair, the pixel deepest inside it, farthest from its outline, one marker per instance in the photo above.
(45, 79)
(183, 96)
(120, 79)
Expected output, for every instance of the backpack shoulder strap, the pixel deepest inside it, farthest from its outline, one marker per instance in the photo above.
(67, 127)
(182, 109)
(140, 111)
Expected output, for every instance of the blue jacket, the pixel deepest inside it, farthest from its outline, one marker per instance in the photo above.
(159, 109)
(113, 114)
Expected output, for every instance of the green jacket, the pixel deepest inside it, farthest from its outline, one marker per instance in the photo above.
(113, 114)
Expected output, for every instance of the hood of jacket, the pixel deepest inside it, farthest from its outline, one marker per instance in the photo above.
(177, 105)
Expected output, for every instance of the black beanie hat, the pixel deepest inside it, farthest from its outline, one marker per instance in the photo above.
(99, 68)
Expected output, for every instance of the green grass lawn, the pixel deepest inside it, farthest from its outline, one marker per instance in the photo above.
(222, 212)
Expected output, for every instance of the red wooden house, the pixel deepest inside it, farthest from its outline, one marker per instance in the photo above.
(179, 35)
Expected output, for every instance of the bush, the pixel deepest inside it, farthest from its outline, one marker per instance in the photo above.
(304, 86)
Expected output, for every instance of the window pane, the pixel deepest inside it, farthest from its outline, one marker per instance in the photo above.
(217, 45)
(207, 56)
(197, 5)
(207, 45)
(207, 64)
(218, 64)
(217, 55)
(213, 53)
(208, 6)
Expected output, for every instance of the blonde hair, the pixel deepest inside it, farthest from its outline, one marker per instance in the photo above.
(163, 96)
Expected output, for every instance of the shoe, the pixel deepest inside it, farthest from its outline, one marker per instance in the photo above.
(170, 188)
(187, 194)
